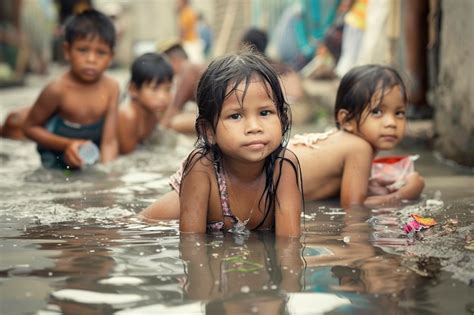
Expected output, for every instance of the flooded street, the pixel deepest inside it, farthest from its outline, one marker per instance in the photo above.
(70, 243)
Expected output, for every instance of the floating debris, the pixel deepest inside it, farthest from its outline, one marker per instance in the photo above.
(417, 224)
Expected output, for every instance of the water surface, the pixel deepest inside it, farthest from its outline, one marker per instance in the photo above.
(71, 244)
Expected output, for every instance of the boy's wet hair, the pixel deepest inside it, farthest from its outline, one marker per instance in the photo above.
(222, 78)
(175, 50)
(255, 38)
(150, 67)
(88, 24)
(360, 85)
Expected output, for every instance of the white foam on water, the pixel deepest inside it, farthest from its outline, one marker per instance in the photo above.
(89, 297)
(192, 308)
(314, 303)
(140, 177)
(122, 281)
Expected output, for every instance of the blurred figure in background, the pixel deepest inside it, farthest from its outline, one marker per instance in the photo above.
(80, 106)
(291, 81)
(354, 27)
(188, 31)
(38, 20)
(187, 75)
(300, 29)
(150, 96)
(206, 35)
(415, 15)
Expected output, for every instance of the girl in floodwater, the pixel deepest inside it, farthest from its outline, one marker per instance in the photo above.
(370, 117)
(240, 177)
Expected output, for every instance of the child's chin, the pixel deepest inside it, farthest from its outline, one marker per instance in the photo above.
(387, 147)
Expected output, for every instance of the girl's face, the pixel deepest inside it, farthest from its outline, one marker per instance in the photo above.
(383, 125)
(88, 57)
(248, 130)
(152, 96)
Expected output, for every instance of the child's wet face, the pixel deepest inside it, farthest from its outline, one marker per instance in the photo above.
(383, 123)
(249, 129)
(89, 57)
(153, 97)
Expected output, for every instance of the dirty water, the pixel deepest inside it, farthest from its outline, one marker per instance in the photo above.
(70, 243)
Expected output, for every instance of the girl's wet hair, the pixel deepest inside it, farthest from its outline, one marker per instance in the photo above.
(221, 80)
(360, 84)
(150, 67)
(88, 24)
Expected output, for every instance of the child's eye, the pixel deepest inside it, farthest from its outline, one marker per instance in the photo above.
(102, 52)
(376, 111)
(400, 113)
(265, 112)
(235, 116)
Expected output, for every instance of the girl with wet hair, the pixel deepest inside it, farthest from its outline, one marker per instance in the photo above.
(240, 177)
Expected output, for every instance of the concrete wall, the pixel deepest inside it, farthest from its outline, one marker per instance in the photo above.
(454, 116)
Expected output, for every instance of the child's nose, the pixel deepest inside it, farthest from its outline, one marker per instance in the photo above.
(389, 120)
(91, 57)
(253, 125)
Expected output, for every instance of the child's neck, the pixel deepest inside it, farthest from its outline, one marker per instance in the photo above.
(143, 110)
(374, 150)
(77, 79)
(241, 171)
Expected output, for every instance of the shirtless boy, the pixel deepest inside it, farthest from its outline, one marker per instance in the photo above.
(81, 104)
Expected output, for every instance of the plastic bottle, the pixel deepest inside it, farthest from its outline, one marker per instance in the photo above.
(89, 152)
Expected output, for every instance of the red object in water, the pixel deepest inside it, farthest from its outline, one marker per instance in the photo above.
(412, 226)
(418, 224)
(393, 168)
(389, 159)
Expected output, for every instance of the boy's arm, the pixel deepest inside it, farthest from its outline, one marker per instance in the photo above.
(356, 172)
(127, 135)
(45, 106)
(289, 200)
(184, 91)
(410, 191)
(109, 141)
(194, 198)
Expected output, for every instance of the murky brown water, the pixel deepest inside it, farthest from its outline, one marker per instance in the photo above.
(70, 244)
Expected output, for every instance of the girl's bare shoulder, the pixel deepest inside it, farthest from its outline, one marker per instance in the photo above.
(353, 143)
(199, 162)
(288, 154)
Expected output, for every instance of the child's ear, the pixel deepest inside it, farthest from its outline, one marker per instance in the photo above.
(344, 122)
(132, 90)
(66, 48)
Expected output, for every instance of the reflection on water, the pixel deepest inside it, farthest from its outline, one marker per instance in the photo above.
(71, 244)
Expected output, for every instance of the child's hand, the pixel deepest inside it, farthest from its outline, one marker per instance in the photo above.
(379, 186)
(71, 154)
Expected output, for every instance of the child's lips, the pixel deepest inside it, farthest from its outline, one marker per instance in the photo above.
(389, 138)
(255, 145)
(89, 72)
